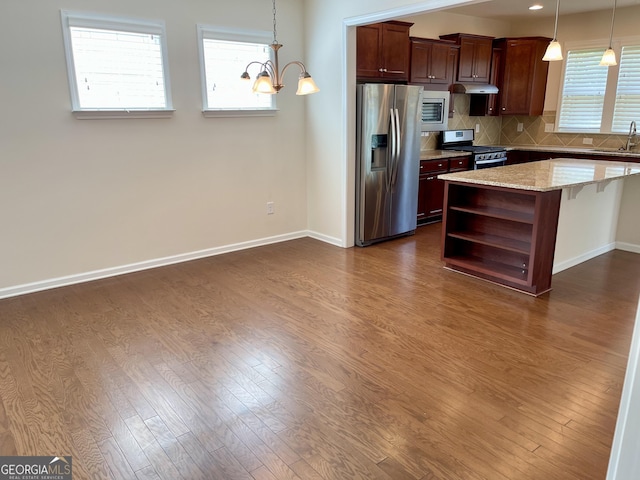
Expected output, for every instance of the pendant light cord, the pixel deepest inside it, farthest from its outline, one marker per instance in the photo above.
(555, 29)
(274, 22)
(613, 17)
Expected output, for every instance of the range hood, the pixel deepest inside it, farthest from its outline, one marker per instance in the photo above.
(472, 88)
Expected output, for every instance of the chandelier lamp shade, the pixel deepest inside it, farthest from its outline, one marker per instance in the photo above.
(554, 50)
(269, 78)
(609, 57)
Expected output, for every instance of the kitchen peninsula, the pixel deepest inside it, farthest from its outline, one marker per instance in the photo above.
(517, 225)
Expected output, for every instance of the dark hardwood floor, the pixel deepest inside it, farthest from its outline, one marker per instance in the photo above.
(304, 360)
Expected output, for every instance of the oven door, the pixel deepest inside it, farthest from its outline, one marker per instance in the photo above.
(489, 163)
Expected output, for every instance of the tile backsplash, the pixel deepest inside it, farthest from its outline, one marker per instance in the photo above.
(533, 133)
(503, 130)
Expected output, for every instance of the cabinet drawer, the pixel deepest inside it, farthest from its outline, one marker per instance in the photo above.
(428, 166)
(459, 164)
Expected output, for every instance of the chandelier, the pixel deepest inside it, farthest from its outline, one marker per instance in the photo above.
(269, 79)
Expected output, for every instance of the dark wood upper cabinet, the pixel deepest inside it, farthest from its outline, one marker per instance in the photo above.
(474, 64)
(382, 51)
(523, 76)
(481, 105)
(433, 63)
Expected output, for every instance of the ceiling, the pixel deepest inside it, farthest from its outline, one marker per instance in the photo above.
(519, 9)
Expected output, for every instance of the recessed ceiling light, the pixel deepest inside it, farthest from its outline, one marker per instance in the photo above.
(536, 6)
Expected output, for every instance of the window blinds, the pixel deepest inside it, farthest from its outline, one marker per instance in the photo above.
(627, 105)
(585, 82)
(118, 69)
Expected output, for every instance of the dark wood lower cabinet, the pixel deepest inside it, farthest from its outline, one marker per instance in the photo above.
(507, 236)
(431, 189)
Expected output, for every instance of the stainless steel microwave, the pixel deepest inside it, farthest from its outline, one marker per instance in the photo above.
(435, 111)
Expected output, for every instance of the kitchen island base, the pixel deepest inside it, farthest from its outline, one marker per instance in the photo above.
(502, 235)
(501, 224)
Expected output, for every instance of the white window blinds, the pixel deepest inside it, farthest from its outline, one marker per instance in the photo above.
(117, 70)
(583, 91)
(627, 105)
(225, 54)
(117, 66)
(224, 62)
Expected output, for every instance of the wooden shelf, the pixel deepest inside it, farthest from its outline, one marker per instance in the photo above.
(488, 268)
(501, 213)
(497, 241)
(503, 235)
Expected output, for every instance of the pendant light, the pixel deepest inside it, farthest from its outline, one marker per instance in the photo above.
(269, 80)
(609, 57)
(554, 50)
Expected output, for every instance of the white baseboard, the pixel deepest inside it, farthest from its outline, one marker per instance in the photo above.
(628, 247)
(572, 262)
(325, 238)
(158, 262)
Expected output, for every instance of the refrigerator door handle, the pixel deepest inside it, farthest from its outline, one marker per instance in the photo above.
(396, 156)
(392, 150)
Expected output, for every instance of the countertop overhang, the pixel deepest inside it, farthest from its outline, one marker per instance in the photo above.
(547, 175)
(442, 154)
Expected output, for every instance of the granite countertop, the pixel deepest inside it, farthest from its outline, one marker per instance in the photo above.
(547, 175)
(594, 151)
(441, 154)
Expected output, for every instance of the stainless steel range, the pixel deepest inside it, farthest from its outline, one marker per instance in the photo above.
(483, 156)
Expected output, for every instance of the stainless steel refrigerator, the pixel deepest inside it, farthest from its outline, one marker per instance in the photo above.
(387, 161)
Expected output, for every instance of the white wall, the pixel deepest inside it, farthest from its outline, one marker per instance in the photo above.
(587, 224)
(434, 24)
(82, 195)
(628, 233)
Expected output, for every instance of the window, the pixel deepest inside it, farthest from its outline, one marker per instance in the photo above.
(585, 82)
(627, 106)
(600, 99)
(224, 55)
(117, 67)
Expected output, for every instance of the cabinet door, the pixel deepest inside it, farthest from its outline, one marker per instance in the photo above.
(515, 96)
(493, 104)
(395, 51)
(430, 198)
(431, 190)
(482, 60)
(434, 197)
(465, 64)
(475, 60)
(420, 60)
(368, 41)
(440, 69)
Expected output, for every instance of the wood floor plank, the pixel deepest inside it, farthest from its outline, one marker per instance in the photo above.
(301, 360)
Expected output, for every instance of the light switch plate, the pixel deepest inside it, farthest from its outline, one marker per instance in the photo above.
(587, 141)
(520, 127)
(549, 127)
(477, 128)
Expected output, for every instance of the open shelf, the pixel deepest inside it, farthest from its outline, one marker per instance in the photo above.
(497, 241)
(490, 268)
(501, 234)
(494, 212)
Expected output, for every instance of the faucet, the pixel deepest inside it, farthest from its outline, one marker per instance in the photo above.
(632, 134)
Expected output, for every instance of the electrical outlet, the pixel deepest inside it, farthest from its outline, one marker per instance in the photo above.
(587, 141)
(477, 128)
(549, 127)
(271, 209)
(520, 127)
